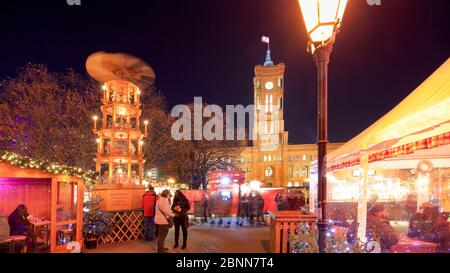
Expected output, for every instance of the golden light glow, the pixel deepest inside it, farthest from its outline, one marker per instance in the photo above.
(98, 140)
(146, 122)
(138, 91)
(104, 87)
(171, 180)
(322, 17)
(141, 142)
(95, 117)
(122, 111)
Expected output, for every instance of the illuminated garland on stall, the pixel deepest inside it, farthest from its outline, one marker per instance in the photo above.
(26, 162)
(178, 186)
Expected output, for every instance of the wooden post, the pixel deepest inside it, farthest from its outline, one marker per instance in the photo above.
(362, 200)
(141, 170)
(80, 204)
(53, 227)
(129, 172)
(110, 174)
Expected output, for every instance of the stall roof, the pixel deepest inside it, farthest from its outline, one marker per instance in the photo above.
(425, 112)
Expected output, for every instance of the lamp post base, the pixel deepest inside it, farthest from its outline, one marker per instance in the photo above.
(322, 226)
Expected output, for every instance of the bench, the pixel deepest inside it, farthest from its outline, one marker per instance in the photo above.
(15, 240)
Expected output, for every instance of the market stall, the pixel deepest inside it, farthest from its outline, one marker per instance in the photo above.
(52, 193)
(402, 160)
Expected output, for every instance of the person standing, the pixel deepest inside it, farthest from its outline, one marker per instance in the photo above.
(244, 206)
(148, 203)
(181, 207)
(205, 208)
(252, 207)
(162, 216)
(302, 200)
(260, 213)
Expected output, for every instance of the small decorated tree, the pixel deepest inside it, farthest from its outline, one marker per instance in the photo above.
(96, 222)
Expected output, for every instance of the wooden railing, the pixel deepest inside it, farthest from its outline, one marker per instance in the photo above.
(128, 226)
(285, 223)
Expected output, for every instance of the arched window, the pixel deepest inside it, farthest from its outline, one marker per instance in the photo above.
(306, 171)
(268, 172)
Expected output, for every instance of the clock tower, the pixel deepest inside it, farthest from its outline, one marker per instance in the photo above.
(269, 139)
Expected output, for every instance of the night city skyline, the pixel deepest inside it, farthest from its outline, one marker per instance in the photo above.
(210, 49)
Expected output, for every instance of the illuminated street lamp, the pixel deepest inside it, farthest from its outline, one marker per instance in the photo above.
(323, 19)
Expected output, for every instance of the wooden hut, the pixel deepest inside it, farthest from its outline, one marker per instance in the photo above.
(55, 200)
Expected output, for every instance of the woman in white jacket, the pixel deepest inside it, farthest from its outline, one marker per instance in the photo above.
(162, 213)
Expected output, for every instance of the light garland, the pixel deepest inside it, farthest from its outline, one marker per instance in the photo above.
(178, 186)
(26, 162)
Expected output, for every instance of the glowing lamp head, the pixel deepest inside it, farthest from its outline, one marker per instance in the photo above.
(138, 91)
(104, 87)
(95, 117)
(119, 171)
(141, 142)
(149, 173)
(146, 122)
(225, 180)
(322, 18)
(171, 180)
(98, 140)
(122, 111)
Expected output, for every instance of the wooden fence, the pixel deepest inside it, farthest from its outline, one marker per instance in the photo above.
(129, 226)
(285, 223)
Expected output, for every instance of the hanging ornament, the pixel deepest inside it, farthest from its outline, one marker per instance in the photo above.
(424, 167)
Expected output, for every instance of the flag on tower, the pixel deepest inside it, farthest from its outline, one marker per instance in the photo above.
(265, 39)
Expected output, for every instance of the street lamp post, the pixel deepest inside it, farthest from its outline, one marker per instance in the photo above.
(323, 20)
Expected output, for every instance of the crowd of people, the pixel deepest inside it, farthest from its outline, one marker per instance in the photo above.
(252, 208)
(294, 200)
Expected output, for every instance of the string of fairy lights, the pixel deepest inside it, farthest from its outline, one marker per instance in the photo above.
(23, 162)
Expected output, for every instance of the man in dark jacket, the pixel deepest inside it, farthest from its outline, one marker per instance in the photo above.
(431, 226)
(148, 203)
(379, 229)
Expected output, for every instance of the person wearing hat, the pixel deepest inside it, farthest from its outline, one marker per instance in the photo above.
(163, 213)
(379, 229)
(431, 226)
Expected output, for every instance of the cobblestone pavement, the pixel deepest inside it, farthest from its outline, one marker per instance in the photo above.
(203, 238)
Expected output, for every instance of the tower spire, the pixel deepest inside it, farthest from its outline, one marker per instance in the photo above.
(268, 59)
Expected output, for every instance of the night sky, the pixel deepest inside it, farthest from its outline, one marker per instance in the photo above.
(209, 48)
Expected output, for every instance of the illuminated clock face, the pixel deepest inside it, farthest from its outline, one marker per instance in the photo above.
(269, 85)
